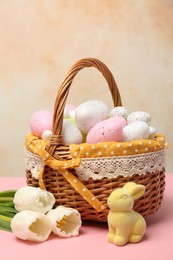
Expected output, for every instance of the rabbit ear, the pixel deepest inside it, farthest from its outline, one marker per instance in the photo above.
(135, 190)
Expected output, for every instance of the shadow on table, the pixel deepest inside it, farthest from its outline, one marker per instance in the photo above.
(164, 213)
(94, 224)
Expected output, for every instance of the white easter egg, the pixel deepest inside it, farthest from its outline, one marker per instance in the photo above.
(137, 130)
(70, 133)
(139, 116)
(46, 135)
(153, 131)
(89, 114)
(119, 111)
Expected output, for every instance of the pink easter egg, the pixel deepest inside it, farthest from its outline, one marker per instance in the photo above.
(121, 120)
(70, 107)
(109, 130)
(40, 121)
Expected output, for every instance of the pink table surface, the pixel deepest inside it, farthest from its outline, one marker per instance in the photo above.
(92, 241)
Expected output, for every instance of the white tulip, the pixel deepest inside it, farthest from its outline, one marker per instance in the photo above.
(65, 221)
(32, 198)
(31, 225)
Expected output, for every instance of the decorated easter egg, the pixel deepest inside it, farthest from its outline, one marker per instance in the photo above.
(139, 116)
(46, 135)
(89, 114)
(137, 130)
(40, 121)
(153, 131)
(119, 111)
(70, 133)
(121, 120)
(109, 130)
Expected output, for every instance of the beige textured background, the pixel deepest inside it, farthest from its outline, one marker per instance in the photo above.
(41, 39)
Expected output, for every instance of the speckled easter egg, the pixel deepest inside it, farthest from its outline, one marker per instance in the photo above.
(137, 130)
(46, 135)
(139, 116)
(119, 111)
(153, 131)
(121, 120)
(40, 121)
(70, 133)
(89, 114)
(109, 130)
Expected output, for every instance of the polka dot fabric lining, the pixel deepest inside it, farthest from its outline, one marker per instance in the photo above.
(37, 146)
(104, 149)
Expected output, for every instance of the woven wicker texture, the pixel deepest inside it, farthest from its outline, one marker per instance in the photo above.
(67, 196)
(56, 147)
(64, 193)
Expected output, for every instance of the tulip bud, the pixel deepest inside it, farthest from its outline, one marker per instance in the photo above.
(31, 225)
(66, 222)
(31, 198)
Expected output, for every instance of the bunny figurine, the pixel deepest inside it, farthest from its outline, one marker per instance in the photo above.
(125, 224)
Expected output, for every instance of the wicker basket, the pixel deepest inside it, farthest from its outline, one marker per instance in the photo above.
(99, 174)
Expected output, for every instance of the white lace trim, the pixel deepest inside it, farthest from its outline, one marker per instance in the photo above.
(33, 163)
(110, 167)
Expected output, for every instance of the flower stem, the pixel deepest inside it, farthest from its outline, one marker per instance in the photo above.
(5, 218)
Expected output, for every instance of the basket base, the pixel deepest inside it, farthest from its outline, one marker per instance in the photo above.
(65, 195)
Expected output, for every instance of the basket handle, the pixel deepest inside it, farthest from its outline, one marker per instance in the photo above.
(55, 146)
